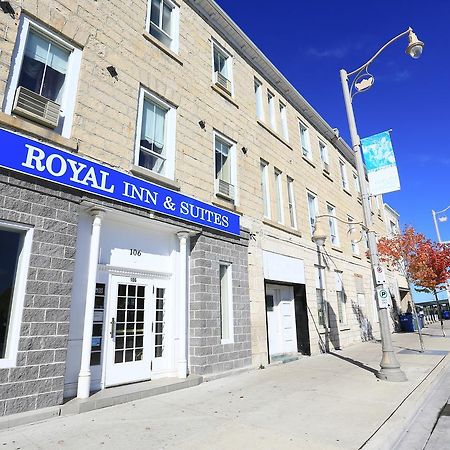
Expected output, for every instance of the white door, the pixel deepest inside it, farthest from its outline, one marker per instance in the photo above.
(130, 338)
(281, 327)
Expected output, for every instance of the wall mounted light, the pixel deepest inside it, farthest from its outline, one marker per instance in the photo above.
(112, 71)
(244, 150)
(202, 124)
(7, 8)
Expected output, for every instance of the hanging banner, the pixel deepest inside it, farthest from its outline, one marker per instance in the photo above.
(380, 163)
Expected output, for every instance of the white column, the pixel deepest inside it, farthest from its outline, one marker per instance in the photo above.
(182, 350)
(84, 377)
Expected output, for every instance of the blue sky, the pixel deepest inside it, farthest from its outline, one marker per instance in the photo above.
(310, 41)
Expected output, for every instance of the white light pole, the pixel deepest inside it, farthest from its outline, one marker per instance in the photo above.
(436, 220)
(363, 80)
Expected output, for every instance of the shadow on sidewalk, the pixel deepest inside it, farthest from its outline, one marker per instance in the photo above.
(355, 363)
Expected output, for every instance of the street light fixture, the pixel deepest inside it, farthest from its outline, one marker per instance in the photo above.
(320, 233)
(362, 80)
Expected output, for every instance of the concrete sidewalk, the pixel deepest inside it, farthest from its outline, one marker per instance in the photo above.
(326, 402)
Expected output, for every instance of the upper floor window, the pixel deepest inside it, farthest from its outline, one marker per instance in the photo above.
(279, 196)
(341, 298)
(334, 237)
(356, 183)
(155, 149)
(44, 78)
(324, 157)
(271, 103)
(284, 125)
(291, 202)
(265, 187)
(222, 68)
(352, 233)
(259, 100)
(393, 228)
(304, 139)
(225, 166)
(312, 211)
(163, 22)
(344, 177)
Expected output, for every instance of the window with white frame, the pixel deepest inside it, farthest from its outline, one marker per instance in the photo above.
(284, 124)
(341, 297)
(324, 157)
(304, 140)
(291, 202)
(271, 105)
(356, 183)
(162, 22)
(352, 233)
(264, 167)
(279, 196)
(225, 166)
(226, 303)
(155, 149)
(344, 177)
(393, 228)
(15, 242)
(44, 78)
(312, 211)
(332, 222)
(222, 68)
(322, 313)
(259, 100)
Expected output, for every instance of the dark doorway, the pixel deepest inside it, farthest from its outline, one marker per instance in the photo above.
(301, 319)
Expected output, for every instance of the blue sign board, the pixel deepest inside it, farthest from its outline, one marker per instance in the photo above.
(48, 163)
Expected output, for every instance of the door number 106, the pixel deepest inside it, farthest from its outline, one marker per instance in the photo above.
(135, 252)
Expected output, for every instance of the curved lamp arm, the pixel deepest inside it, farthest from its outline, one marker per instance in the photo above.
(320, 234)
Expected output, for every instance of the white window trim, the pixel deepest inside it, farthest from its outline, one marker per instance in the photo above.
(284, 123)
(335, 224)
(325, 157)
(70, 82)
(18, 299)
(316, 207)
(230, 340)
(233, 164)
(279, 193)
(175, 25)
(356, 183)
(307, 140)
(265, 185)
(340, 281)
(259, 99)
(344, 176)
(215, 44)
(353, 243)
(271, 107)
(169, 133)
(291, 199)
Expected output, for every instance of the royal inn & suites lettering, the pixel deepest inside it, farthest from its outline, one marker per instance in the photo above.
(42, 161)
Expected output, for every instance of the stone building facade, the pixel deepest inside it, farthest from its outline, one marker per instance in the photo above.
(202, 262)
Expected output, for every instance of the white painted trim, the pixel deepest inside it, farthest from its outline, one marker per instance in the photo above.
(175, 24)
(123, 271)
(264, 165)
(229, 58)
(71, 80)
(279, 194)
(20, 282)
(291, 199)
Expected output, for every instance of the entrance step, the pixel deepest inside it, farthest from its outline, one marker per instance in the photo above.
(283, 358)
(128, 393)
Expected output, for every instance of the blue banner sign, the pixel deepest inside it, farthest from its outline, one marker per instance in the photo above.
(380, 163)
(48, 163)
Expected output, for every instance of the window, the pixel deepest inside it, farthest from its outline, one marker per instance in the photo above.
(265, 188)
(224, 151)
(324, 157)
(322, 313)
(393, 227)
(284, 124)
(259, 100)
(271, 103)
(222, 63)
(304, 139)
(163, 22)
(341, 298)
(344, 178)
(352, 234)
(226, 304)
(279, 196)
(332, 221)
(155, 149)
(356, 183)
(312, 211)
(291, 202)
(44, 78)
(15, 242)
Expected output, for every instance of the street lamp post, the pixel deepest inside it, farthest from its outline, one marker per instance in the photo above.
(436, 220)
(389, 366)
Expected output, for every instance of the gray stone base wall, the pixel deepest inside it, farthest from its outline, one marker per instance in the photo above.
(37, 379)
(207, 354)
